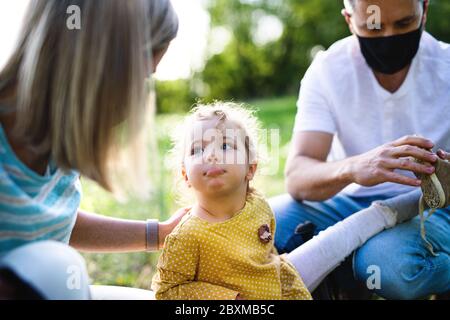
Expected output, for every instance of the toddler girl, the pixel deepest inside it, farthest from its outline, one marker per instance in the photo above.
(224, 247)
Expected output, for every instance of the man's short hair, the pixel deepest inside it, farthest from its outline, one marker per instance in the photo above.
(350, 4)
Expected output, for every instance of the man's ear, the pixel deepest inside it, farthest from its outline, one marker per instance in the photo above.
(347, 16)
(426, 4)
(251, 171)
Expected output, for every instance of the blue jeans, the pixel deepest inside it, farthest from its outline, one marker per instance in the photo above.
(407, 269)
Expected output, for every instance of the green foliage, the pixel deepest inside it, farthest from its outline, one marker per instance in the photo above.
(174, 96)
(247, 70)
(438, 23)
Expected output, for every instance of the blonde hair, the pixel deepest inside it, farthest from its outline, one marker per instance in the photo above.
(81, 95)
(241, 115)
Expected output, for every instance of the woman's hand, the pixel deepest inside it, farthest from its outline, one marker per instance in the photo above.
(443, 155)
(167, 226)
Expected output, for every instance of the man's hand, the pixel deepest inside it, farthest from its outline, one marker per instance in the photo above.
(167, 226)
(378, 165)
(443, 155)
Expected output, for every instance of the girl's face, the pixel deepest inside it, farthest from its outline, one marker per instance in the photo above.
(216, 160)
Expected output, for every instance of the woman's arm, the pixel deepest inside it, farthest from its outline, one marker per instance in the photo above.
(97, 233)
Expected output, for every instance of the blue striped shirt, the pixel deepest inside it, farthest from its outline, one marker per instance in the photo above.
(34, 207)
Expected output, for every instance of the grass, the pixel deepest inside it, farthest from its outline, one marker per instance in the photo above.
(137, 269)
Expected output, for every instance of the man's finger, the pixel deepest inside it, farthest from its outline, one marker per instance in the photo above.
(410, 165)
(401, 179)
(443, 155)
(413, 141)
(415, 152)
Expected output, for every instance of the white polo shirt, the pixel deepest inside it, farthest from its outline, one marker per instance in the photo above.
(339, 94)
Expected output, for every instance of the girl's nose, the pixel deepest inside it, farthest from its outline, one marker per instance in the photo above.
(213, 155)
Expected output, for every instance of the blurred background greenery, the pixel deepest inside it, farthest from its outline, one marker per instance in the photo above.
(250, 66)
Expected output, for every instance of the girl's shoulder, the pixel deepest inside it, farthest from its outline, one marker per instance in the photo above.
(256, 196)
(187, 228)
(259, 201)
(185, 237)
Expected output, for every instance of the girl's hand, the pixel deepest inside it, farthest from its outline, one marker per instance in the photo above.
(167, 226)
(443, 155)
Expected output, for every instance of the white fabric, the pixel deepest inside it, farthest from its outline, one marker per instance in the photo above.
(53, 269)
(340, 95)
(120, 293)
(316, 258)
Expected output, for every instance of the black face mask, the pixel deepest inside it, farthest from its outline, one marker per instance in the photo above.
(391, 54)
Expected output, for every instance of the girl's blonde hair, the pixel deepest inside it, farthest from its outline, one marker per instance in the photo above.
(241, 115)
(81, 95)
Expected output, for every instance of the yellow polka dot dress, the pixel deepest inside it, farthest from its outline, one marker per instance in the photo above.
(216, 261)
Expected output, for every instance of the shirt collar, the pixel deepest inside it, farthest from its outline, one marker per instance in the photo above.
(404, 88)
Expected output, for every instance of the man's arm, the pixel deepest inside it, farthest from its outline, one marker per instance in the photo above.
(310, 177)
(97, 233)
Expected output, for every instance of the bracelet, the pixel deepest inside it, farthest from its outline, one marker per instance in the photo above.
(152, 235)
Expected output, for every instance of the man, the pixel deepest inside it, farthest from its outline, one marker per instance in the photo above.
(384, 93)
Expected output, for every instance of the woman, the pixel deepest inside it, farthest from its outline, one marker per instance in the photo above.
(72, 102)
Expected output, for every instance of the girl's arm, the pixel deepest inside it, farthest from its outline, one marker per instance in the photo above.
(97, 233)
(315, 259)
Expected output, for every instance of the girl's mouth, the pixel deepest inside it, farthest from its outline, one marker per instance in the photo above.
(214, 172)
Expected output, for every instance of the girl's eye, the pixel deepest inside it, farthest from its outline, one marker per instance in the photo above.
(227, 146)
(196, 150)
